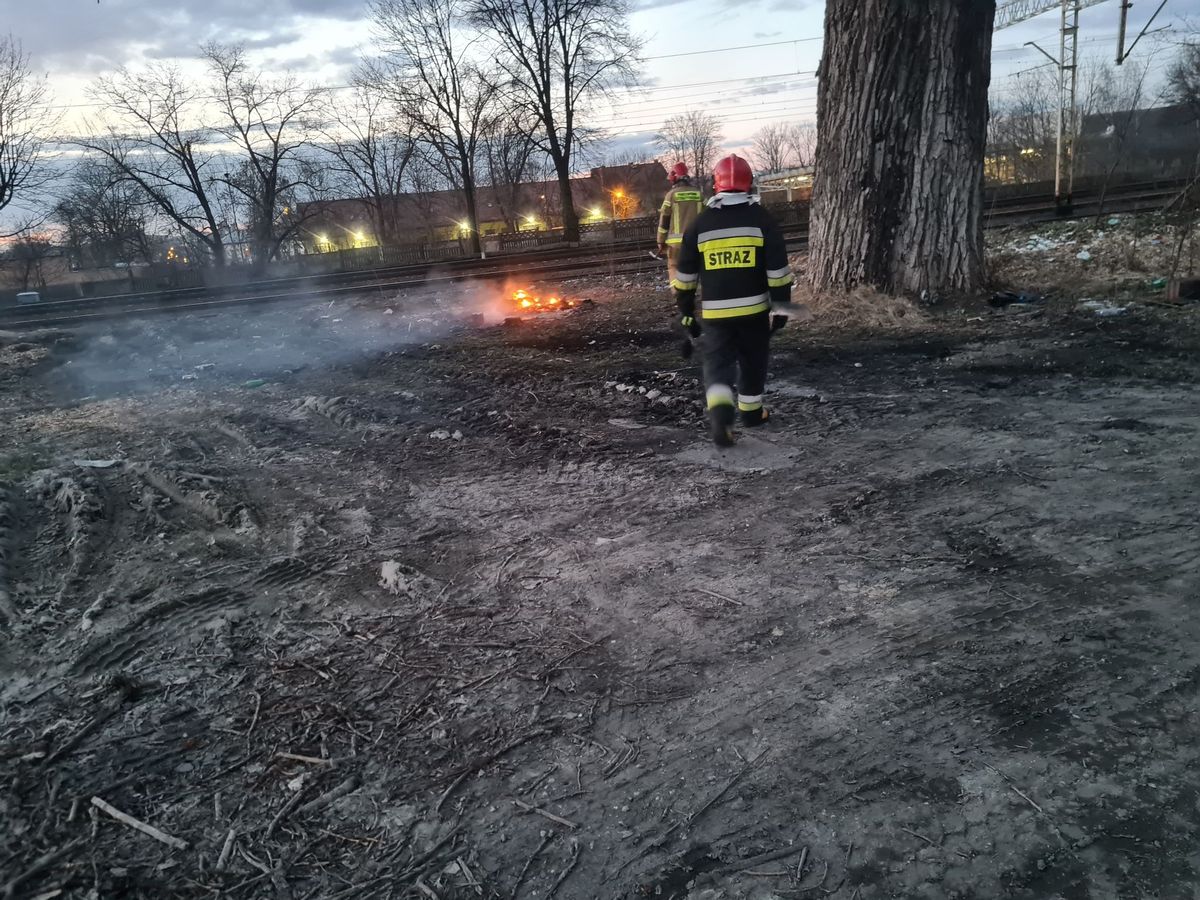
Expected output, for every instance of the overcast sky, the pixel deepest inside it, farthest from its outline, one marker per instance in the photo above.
(766, 74)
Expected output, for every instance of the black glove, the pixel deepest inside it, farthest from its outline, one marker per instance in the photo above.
(778, 322)
(687, 348)
(692, 326)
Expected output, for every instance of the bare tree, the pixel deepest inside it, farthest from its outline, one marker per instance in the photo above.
(508, 147)
(802, 144)
(772, 149)
(370, 150)
(648, 153)
(1183, 77)
(434, 72)
(1021, 131)
(560, 56)
(23, 263)
(271, 122)
(154, 134)
(902, 123)
(25, 117)
(105, 216)
(693, 137)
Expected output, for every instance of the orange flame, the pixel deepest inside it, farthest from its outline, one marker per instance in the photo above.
(526, 300)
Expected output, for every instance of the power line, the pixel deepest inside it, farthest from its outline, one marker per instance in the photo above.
(714, 98)
(803, 40)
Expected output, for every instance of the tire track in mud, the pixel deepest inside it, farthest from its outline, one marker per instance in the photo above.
(337, 410)
(79, 504)
(182, 613)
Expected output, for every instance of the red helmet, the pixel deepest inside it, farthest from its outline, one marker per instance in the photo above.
(732, 174)
(679, 170)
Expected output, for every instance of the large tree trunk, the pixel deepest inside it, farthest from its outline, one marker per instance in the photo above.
(570, 217)
(902, 124)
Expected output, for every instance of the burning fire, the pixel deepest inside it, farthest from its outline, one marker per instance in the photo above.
(528, 302)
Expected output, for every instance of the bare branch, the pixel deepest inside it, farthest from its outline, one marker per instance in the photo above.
(559, 57)
(25, 120)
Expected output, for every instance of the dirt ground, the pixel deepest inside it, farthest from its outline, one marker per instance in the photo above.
(364, 601)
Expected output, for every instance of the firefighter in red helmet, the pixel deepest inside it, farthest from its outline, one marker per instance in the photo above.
(679, 210)
(734, 252)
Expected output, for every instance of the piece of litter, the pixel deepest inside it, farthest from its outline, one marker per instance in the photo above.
(97, 463)
(458, 435)
(653, 395)
(191, 376)
(440, 435)
(1083, 255)
(203, 366)
(389, 311)
(1102, 308)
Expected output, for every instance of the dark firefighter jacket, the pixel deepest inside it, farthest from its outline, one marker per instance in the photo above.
(679, 210)
(735, 253)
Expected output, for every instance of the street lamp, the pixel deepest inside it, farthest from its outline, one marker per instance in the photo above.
(618, 194)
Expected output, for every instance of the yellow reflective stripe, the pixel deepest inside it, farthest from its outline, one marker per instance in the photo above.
(735, 311)
(719, 395)
(681, 286)
(675, 239)
(780, 282)
(688, 195)
(731, 243)
(748, 406)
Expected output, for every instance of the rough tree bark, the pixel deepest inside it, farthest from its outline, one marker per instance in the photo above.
(902, 124)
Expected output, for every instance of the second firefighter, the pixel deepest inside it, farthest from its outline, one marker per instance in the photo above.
(735, 253)
(679, 210)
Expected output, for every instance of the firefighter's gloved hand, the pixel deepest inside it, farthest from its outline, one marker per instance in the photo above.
(662, 249)
(691, 325)
(778, 322)
(687, 348)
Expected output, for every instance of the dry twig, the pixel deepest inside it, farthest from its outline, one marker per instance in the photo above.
(139, 825)
(545, 814)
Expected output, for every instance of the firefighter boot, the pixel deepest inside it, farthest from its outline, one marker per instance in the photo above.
(752, 418)
(720, 423)
(753, 413)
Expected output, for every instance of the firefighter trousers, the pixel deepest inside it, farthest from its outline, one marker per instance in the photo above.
(672, 261)
(735, 354)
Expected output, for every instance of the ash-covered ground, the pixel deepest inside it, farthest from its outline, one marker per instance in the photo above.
(355, 603)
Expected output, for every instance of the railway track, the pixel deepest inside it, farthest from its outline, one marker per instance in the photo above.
(624, 258)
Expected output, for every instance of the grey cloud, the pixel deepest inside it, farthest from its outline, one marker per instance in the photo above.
(646, 5)
(95, 37)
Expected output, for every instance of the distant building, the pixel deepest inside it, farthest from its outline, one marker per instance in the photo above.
(1159, 142)
(786, 185)
(434, 217)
